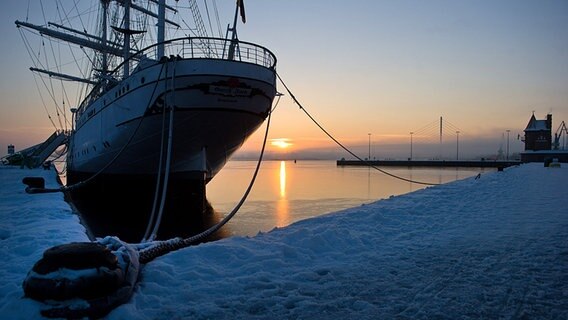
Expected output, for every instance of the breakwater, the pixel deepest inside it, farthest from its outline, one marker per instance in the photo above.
(432, 163)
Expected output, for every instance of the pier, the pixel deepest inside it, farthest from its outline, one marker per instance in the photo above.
(432, 163)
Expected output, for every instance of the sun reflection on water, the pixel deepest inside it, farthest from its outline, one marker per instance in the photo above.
(282, 179)
(282, 207)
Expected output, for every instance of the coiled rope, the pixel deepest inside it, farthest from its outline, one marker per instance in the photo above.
(343, 146)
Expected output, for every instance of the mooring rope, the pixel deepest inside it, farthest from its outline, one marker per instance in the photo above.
(343, 146)
(151, 250)
(147, 235)
(158, 173)
(161, 248)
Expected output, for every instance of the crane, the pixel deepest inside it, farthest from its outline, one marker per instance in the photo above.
(561, 131)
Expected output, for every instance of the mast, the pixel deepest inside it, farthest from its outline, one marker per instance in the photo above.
(126, 51)
(104, 36)
(161, 28)
(234, 37)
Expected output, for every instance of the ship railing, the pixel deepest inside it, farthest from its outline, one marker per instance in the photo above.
(203, 48)
(187, 48)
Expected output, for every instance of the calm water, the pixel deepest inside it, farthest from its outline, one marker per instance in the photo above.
(285, 192)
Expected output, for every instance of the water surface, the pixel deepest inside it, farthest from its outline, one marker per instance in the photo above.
(288, 191)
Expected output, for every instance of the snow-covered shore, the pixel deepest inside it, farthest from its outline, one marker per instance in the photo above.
(493, 247)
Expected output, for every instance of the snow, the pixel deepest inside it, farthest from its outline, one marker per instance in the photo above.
(493, 247)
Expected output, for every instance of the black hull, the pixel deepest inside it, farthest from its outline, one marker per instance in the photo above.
(121, 205)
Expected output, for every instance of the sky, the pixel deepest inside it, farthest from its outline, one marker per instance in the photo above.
(492, 247)
(386, 68)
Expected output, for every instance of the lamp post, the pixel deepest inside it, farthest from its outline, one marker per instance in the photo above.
(457, 145)
(369, 147)
(411, 133)
(508, 144)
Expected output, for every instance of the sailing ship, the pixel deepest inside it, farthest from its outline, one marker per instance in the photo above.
(160, 116)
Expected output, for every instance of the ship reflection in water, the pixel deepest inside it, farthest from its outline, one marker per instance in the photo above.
(106, 217)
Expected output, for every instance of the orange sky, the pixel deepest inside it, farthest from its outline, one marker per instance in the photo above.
(380, 67)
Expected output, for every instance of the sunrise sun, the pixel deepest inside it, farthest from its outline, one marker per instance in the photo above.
(281, 143)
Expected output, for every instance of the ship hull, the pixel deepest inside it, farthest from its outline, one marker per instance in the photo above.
(173, 125)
